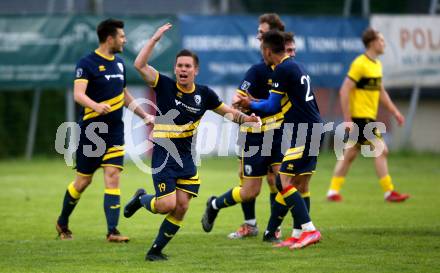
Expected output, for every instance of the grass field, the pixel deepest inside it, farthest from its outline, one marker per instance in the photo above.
(361, 234)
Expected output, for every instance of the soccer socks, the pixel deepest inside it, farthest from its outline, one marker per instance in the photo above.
(386, 183)
(167, 230)
(248, 209)
(71, 198)
(336, 183)
(293, 200)
(272, 197)
(229, 198)
(148, 201)
(112, 206)
(306, 198)
(278, 211)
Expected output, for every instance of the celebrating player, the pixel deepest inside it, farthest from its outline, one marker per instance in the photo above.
(182, 104)
(100, 88)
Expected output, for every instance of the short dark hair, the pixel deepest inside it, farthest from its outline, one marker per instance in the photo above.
(108, 28)
(274, 40)
(273, 20)
(188, 53)
(369, 36)
(288, 37)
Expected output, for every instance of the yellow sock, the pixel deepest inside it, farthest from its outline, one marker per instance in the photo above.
(336, 183)
(386, 183)
(73, 192)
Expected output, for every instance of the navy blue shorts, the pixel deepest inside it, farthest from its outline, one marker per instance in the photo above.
(361, 123)
(302, 155)
(88, 159)
(268, 154)
(169, 175)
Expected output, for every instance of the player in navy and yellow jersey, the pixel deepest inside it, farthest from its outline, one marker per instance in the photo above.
(360, 95)
(267, 159)
(100, 88)
(299, 162)
(181, 104)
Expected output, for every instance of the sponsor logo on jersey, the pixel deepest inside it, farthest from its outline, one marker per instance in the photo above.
(120, 76)
(101, 68)
(121, 67)
(245, 85)
(79, 72)
(275, 84)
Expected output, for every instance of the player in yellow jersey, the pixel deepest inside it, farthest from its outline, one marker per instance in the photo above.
(360, 94)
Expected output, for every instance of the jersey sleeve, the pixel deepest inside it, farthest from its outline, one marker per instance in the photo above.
(213, 101)
(249, 81)
(82, 71)
(355, 72)
(162, 83)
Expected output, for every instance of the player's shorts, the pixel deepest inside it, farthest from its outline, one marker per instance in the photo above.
(302, 155)
(258, 156)
(361, 123)
(168, 175)
(103, 149)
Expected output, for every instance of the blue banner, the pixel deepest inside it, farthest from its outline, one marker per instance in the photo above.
(227, 46)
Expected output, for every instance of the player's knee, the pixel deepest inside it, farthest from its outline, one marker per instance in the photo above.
(82, 182)
(181, 208)
(165, 206)
(250, 194)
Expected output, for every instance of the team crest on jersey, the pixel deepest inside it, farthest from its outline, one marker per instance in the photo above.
(198, 99)
(79, 72)
(121, 67)
(245, 85)
(248, 169)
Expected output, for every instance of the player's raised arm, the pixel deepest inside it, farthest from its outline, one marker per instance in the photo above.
(148, 73)
(237, 116)
(79, 95)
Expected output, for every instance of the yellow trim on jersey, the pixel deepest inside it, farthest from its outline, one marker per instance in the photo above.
(236, 194)
(153, 205)
(188, 181)
(241, 92)
(277, 92)
(293, 174)
(115, 104)
(185, 91)
(113, 155)
(173, 220)
(221, 104)
(271, 122)
(113, 191)
(81, 80)
(156, 80)
(115, 148)
(175, 131)
(294, 153)
(188, 191)
(104, 56)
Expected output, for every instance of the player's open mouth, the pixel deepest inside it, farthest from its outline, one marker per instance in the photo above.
(183, 76)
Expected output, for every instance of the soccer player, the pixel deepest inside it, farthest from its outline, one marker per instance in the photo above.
(360, 94)
(100, 88)
(182, 104)
(256, 84)
(299, 162)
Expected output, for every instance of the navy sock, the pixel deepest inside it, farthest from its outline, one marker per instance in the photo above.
(167, 230)
(298, 207)
(71, 198)
(278, 211)
(306, 198)
(112, 206)
(248, 209)
(148, 201)
(229, 198)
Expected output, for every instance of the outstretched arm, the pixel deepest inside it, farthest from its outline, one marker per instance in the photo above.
(237, 116)
(388, 103)
(269, 106)
(148, 73)
(130, 103)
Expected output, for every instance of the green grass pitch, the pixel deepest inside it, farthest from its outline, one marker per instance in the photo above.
(361, 234)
